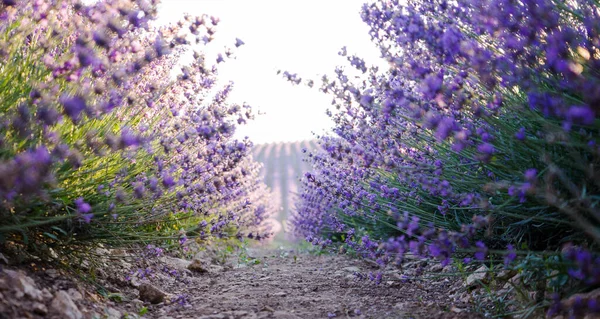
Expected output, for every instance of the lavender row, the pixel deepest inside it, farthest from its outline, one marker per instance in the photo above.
(478, 144)
(107, 137)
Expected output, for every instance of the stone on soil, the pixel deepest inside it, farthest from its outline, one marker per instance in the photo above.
(111, 313)
(75, 294)
(46, 294)
(175, 263)
(481, 274)
(40, 309)
(63, 306)
(465, 297)
(198, 266)
(506, 274)
(138, 303)
(456, 309)
(436, 268)
(135, 282)
(352, 269)
(216, 268)
(151, 294)
(52, 273)
(23, 285)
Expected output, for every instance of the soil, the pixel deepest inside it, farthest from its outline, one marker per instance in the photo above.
(310, 286)
(262, 283)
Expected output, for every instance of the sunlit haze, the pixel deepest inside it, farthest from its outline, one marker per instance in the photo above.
(302, 37)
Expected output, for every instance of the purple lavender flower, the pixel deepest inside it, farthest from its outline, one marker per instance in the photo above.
(444, 128)
(48, 115)
(181, 300)
(510, 257)
(555, 307)
(139, 190)
(434, 250)
(530, 174)
(413, 226)
(83, 210)
(182, 240)
(168, 181)
(481, 250)
(582, 114)
(451, 40)
(85, 55)
(128, 138)
(486, 151)
(82, 206)
(100, 38)
(366, 100)
(431, 85)
(153, 184)
(73, 106)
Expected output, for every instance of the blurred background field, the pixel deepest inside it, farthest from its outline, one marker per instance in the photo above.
(282, 166)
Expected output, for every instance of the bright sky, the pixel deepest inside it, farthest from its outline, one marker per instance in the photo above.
(301, 36)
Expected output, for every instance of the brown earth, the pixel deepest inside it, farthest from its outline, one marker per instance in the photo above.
(262, 283)
(310, 286)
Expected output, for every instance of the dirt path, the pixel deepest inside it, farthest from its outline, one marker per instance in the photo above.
(265, 283)
(289, 285)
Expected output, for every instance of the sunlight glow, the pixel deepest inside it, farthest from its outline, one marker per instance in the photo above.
(302, 37)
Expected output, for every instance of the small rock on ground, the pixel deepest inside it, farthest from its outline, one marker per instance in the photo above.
(151, 294)
(63, 306)
(23, 285)
(197, 266)
(479, 275)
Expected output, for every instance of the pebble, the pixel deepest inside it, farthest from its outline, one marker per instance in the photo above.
(436, 268)
(75, 294)
(151, 294)
(52, 273)
(480, 274)
(112, 313)
(40, 309)
(175, 263)
(63, 306)
(46, 294)
(23, 285)
(197, 266)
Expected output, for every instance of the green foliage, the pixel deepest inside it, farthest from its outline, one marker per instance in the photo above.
(102, 143)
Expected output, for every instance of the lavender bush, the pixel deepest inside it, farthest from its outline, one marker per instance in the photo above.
(479, 142)
(102, 142)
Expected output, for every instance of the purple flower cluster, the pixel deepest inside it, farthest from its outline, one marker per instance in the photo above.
(97, 125)
(181, 300)
(481, 136)
(584, 265)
